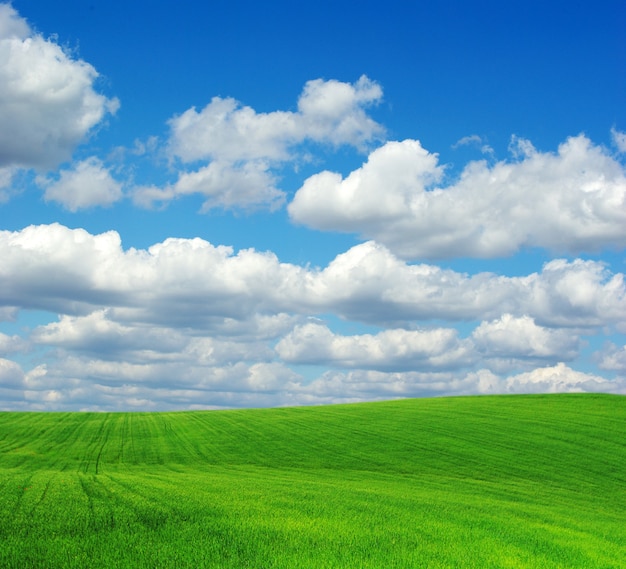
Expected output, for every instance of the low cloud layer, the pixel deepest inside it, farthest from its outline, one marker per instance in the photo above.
(192, 283)
(388, 350)
(223, 323)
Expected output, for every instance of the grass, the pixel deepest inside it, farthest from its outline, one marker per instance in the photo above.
(467, 482)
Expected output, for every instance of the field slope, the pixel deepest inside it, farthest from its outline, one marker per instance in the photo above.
(467, 482)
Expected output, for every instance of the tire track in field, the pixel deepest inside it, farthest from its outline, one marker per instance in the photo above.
(179, 435)
(99, 441)
(149, 511)
(24, 485)
(43, 495)
(88, 494)
(104, 442)
(100, 502)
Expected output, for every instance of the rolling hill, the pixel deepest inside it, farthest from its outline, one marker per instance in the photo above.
(464, 482)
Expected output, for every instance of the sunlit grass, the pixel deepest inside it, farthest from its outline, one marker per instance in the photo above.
(524, 481)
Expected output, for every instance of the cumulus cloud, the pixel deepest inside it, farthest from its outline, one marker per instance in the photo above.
(558, 379)
(12, 344)
(192, 283)
(48, 103)
(85, 383)
(245, 186)
(328, 111)
(370, 284)
(520, 337)
(227, 324)
(359, 385)
(619, 139)
(180, 282)
(243, 149)
(612, 357)
(91, 384)
(11, 375)
(388, 350)
(88, 184)
(572, 200)
(96, 335)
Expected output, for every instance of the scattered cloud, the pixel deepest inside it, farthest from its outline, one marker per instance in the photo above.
(510, 342)
(619, 139)
(184, 323)
(242, 150)
(520, 337)
(474, 140)
(571, 201)
(246, 186)
(388, 350)
(328, 112)
(12, 344)
(48, 103)
(558, 379)
(612, 357)
(88, 184)
(11, 375)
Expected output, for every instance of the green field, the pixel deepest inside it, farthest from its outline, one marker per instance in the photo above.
(480, 482)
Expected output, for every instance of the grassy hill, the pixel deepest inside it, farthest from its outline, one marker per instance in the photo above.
(467, 482)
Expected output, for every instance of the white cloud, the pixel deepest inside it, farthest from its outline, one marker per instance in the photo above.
(328, 111)
(368, 385)
(474, 140)
(11, 24)
(48, 104)
(371, 385)
(619, 139)
(225, 325)
(559, 379)
(369, 284)
(388, 350)
(244, 186)
(98, 336)
(92, 384)
(11, 375)
(177, 283)
(88, 184)
(192, 283)
(12, 344)
(242, 149)
(332, 111)
(612, 357)
(573, 200)
(86, 383)
(7, 175)
(521, 337)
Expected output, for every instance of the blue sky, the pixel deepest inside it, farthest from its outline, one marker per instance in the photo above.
(237, 204)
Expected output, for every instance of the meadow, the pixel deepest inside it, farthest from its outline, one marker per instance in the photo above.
(463, 482)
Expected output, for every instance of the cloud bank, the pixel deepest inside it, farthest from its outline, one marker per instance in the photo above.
(234, 327)
(571, 201)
